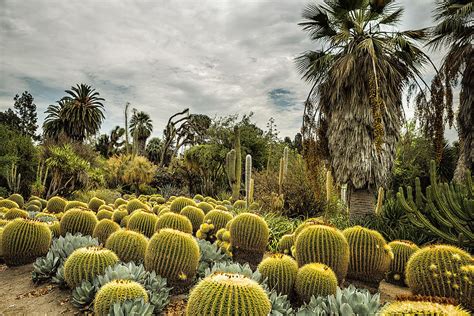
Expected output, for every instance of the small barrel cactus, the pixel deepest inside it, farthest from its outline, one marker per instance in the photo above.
(174, 221)
(205, 207)
(23, 240)
(308, 222)
(142, 222)
(95, 203)
(56, 204)
(117, 291)
(13, 213)
(106, 207)
(315, 279)
(280, 271)
(195, 215)
(198, 197)
(370, 255)
(104, 214)
(240, 205)
(118, 215)
(421, 308)
(442, 270)
(181, 202)
(78, 221)
(75, 204)
(136, 204)
(218, 218)
(86, 263)
(55, 228)
(8, 204)
(36, 203)
(323, 244)
(402, 251)
(222, 294)
(119, 201)
(173, 255)
(128, 245)
(285, 243)
(104, 229)
(18, 199)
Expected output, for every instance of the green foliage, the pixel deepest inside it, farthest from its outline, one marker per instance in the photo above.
(174, 221)
(95, 203)
(402, 251)
(181, 202)
(279, 225)
(195, 215)
(24, 240)
(104, 229)
(86, 263)
(421, 308)
(173, 255)
(136, 307)
(228, 294)
(210, 255)
(128, 245)
(442, 270)
(315, 279)
(56, 204)
(117, 291)
(142, 222)
(323, 244)
(78, 221)
(280, 272)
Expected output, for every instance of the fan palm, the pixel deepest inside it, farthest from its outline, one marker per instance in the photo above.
(140, 127)
(358, 76)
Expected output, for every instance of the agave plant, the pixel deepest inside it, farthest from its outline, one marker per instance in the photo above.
(210, 255)
(136, 307)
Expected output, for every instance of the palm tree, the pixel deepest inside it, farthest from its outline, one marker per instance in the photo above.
(358, 77)
(455, 30)
(140, 127)
(55, 124)
(83, 111)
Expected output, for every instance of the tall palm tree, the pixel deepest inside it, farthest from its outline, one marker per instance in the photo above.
(140, 127)
(83, 111)
(358, 77)
(55, 124)
(455, 29)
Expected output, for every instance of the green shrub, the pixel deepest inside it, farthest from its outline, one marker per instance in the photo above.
(280, 272)
(174, 221)
(117, 291)
(104, 229)
(181, 202)
(195, 215)
(128, 245)
(315, 279)
(78, 221)
(56, 204)
(402, 251)
(142, 222)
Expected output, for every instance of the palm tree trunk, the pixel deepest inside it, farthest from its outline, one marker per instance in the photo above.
(361, 202)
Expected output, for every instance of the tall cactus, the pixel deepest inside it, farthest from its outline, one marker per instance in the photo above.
(13, 179)
(380, 196)
(234, 165)
(283, 170)
(248, 181)
(446, 210)
(329, 185)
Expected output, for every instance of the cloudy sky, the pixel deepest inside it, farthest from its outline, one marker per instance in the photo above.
(217, 57)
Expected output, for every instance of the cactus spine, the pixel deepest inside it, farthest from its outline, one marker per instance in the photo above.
(142, 222)
(280, 271)
(421, 308)
(128, 245)
(248, 181)
(195, 215)
(104, 229)
(174, 221)
(402, 251)
(315, 279)
(117, 291)
(234, 165)
(78, 221)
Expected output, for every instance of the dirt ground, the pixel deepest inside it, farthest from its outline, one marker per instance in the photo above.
(20, 296)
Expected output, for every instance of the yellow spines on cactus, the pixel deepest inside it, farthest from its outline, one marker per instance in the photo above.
(442, 270)
(370, 255)
(104, 214)
(323, 244)
(75, 204)
(8, 204)
(56, 204)
(240, 205)
(117, 291)
(285, 243)
(421, 308)
(118, 215)
(33, 208)
(174, 221)
(119, 201)
(18, 199)
(309, 222)
(128, 245)
(206, 207)
(103, 229)
(315, 279)
(95, 203)
(78, 221)
(173, 255)
(142, 222)
(23, 240)
(210, 200)
(181, 202)
(164, 210)
(86, 263)
(402, 251)
(198, 197)
(227, 294)
(280, 271)
(55, 228)
(13, 213)
(136, 204)
(218, 218)
(195, 215)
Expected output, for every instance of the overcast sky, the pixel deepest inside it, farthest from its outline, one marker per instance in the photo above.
(217, 57)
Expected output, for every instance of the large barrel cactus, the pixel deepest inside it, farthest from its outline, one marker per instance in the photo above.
(370, 255)
(56, 204)
(142, 222)
(117, 291)
(86, 263)
(23, 240)
(78, 221)
(181, 202)
(402, 251)
(315, 279)
(323, 244)
(421, 308)
(104, 229)
(174, 221)
(218, 218)
(128, 245)
(13, 213)
(280, 271)
(228, 294)
(173, 255)
(8, 204)
(442, 270)
(195, 215)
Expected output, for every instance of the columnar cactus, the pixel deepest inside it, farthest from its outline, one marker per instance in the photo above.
(315, 279)
(233, 165)
(402, 251)
(78, 221)
(280, 271)
(323, 244)
(222, 294)
(173, 255)
(104, 229)
(181, 202)
(248, 181)
(142, 222)
(23, 240)
(283, 170)
(380, 196)
(195, 215)
(56, 204)
(75, 204)
(206, 207)
(95, 203)
(370, 255)
(128, 245)
(442, 270)
(84, 264)
(174, 221)
(117, 291)
(285, 243)
(136, 204)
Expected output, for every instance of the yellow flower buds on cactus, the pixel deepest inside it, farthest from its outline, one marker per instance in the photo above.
(315, 279)
(117, 291)
(78, 221)
(280, 271)
(128, 245)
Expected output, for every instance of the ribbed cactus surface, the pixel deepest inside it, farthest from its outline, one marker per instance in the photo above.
(315, 279)
(128, 245)
(8, 204)
(142, 222)
(104, 229)
(422, 308)
(56, 204)
(181, 202)
(285, 243)
(13, 213)
(402, 251)
(249, 232)
(206, 207)
(78, 221)
(174, 221)
(117, 291)
(136, 204)
(195, 215)
(280, 271)
(218, 218)
(18, 199)
(104, 214)
(75, 204)
(95, 203)
(118, 215)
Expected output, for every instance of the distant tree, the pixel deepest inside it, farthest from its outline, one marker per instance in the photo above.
(102, 145)
(153, 150)
(298, 143)
(25, 109)
(55, 123)
(10, 119)
(140, 128)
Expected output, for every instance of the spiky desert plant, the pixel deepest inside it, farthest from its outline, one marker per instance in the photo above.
(218, 218)
(75, 204)
(86, 263)
(329, 185)
(35, 202)
(206, 207)
(104, 214)
(198, 197)
(46, 217)
(285, 244)
(283, 170)
(106, 207)
(195, 215)
(15, 213)
(136, 204)
(223, 294)
(174, 221)
(23, 240)
(249, 238)
(323, 244)
(78, 221)
(3, 222)
(117, 291)
(32, 208)
(370, 255)
(56, 204)
(280, 271)
(315, 279)
(181, 202)
(380, 196)
(442, 270)
(55, 228)
(142, 222)
(118, 215)
(124, 221)
(104, 229)
(128, 245)
(18, 199)
(421, 308)
(248, 181)
(402, 251)
(309, 222)
(240, 205)
(173, 255)
(119, 201)
(163, 210)
(8, 204)
(95, 203)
